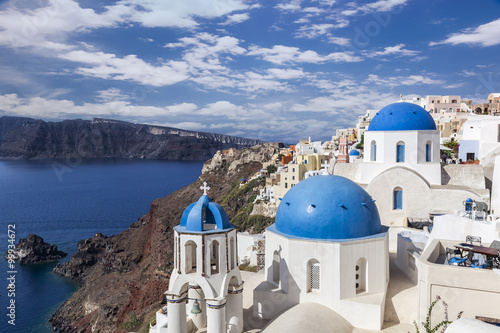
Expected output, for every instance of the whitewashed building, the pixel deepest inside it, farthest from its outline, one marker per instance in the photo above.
(328, 247)
(205, 288)
(401, 168)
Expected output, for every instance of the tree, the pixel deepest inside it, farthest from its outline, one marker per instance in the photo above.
(361, 143)
(453, 145)
(271, 168)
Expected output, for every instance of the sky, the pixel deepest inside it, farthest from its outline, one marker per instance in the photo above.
(275, 70)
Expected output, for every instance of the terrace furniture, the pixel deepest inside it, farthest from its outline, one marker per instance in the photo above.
(495, 245)
(473, 239)
(492, 255)
(452, 259)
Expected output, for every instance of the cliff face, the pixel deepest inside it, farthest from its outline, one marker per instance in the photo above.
(25, 138)
(8, 123)
(123, 277)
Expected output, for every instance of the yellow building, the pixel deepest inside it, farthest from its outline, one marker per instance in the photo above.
(298, 171)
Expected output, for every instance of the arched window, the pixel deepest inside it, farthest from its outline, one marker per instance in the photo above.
(232, 251)
(313, 275)
(398, 198)
(190, 253)
(361, 274)
(214, 257)
(276, 267)
(428, 151)
(400, 152)
(373, 153)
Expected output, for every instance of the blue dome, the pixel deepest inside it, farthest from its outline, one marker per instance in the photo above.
(327, 207)
(215, 217)
(402, 116)
(354, 152)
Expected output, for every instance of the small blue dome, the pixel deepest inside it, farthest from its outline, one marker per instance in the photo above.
(215, 217)
(327, 207)
(402, 116)
(354, 152)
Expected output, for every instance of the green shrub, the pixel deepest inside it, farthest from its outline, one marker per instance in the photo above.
(132, 323)
(254, 269)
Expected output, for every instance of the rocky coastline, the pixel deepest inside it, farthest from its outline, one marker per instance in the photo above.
(123, 277)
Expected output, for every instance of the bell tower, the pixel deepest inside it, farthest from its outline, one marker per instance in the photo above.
(205, 289)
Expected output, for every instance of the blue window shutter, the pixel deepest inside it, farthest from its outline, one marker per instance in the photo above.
(428, 152)
(398, 199)
(400, 153)
(374, 152)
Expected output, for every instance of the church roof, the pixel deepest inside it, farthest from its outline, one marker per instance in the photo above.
(327, 207)
(354, 152)
(204, 216)
(402, 116)
(309, 317)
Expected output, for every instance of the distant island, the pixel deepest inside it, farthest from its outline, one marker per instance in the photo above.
(29, 139)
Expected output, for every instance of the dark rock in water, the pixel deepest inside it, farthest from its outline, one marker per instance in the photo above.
(34, 250)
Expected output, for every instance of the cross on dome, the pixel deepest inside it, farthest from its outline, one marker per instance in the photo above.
(205, 188)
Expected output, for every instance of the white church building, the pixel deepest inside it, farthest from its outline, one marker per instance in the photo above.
(326, 247)
(401, 168)
(205, 289)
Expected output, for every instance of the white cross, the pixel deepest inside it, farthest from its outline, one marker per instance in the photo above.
(205, 188)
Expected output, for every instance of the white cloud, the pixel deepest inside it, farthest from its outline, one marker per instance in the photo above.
(454, 86)
(280, 54)
(348, 102)
(339, 41)
(236, 18)
(109, 66)
(287, 74)
(175, 13)
(377, 6)
(403, 80)
(292, 6)
(273, 106)
(467, 73)
(419, 79)
(203, 51)
(111, 94)
(484, 35)
(397, 50)
(313, 10)
(223, 108)
(39, 107)
(48, 26)
(314, 30)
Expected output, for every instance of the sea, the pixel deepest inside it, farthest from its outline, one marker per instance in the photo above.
(65, 202)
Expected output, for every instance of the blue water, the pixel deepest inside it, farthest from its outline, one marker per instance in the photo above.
(65, 202)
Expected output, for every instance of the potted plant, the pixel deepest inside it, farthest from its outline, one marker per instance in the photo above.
(476, 161)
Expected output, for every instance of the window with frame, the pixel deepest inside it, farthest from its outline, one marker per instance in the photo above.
(400, 152)
(398, 198)
(361, 271)
(428, 151)
(314, 278)
(373, 153)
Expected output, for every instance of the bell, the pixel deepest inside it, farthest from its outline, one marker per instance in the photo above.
(196, 308)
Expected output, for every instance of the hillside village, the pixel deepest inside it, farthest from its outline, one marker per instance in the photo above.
(390, 219)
